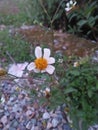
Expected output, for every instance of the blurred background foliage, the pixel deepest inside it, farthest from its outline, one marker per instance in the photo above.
(81, 19)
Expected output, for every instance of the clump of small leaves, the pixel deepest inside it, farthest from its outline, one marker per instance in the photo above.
(83, 20)
(80, 87)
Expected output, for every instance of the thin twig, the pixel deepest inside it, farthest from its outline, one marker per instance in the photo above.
(11, 58)
(45, 10)
(13, 77)
(53, 18)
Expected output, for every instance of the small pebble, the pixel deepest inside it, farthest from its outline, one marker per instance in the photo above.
(46, 115)
(55, 122)
(4, 120)
(66, 127)
(1, 125)
(29, 125)
(28, 113)
(49, 125)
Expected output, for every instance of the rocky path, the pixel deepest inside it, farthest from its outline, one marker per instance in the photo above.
(21, 111)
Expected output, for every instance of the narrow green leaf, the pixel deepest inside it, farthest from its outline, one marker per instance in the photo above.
(69, 90)
(82, 22)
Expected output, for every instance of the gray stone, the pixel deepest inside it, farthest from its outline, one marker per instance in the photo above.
(49, 125)
(28, 113)
(12, 116)
(46, 115)
(59, 117)
(95, 57)
(29, 125)
(33, 127)
(21, 127)
(55, 122)
(6, 127)
(66, 127)
(34, 121)
(12, 128)
(14, 123)
(7, 113)
(1, 113)
(1, 110)
(17, 108)
(1, 125)
(4, 120)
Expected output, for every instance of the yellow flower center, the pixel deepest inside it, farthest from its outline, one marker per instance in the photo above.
(41, 63)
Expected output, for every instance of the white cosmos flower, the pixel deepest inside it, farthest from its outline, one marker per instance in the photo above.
(70, 5)
(17, 69)
(43, 61)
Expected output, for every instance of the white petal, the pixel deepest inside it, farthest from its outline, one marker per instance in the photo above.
(50, 69)
(71, 2)
(68, 4)
(74, 3)
(38, 52)
(47, 53)
(22, 66)
(51, 60)
(19, 73)
(36, 70)
(42, 71)
(68, 9)
(47, 89)
(31, 66)
(13, 69)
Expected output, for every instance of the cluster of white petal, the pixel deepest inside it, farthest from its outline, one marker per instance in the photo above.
(46, 55)
(18, 69)
(70, 5)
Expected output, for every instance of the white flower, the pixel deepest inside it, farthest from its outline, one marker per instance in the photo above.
(43, 62)
(70, 5)
(17, 69)
(76, 64)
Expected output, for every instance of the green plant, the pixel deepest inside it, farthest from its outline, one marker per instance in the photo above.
(17, 17)
(14, 19)
(48, 13)
(80, 87)
(13, 46)
(77, 86)
(83, 20)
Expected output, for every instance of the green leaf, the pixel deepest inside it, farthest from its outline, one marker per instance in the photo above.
(82, 23)
(75, 72)
(72, 16)
(69, 90)
(96, 17)
(90, 93)
(91, 21)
